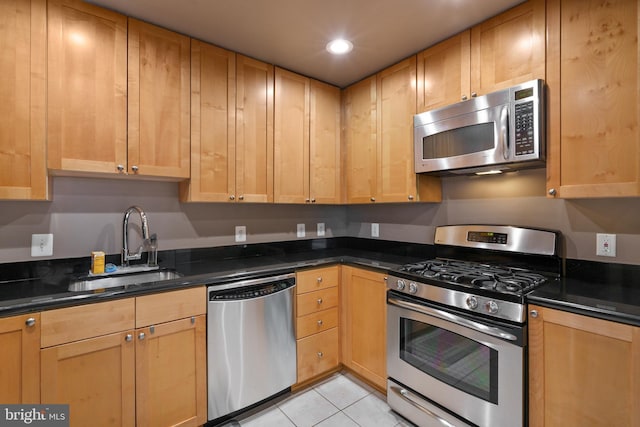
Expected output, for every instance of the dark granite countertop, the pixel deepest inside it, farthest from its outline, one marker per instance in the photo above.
(36, 286)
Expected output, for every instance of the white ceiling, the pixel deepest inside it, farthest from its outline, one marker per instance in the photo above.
(293, 33)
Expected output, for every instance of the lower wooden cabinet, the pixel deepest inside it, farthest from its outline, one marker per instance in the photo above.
(583, 371)
(317, 329)
(20, 359)
(363, 318)
(136, 361)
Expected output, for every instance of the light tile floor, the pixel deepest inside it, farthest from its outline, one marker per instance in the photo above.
(339, 401)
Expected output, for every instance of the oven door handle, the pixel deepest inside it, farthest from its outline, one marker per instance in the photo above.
(406, 395)
(440, 314)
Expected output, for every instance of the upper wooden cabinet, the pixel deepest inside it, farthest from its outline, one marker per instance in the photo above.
(593, 99)
(378, 115)
(159, 91)
(306, 140)
(444, 73)
(509, 49)
(254, 130)
(213, 125)
(20, 359)
(23, 27)
(87, 88)
(582, 371)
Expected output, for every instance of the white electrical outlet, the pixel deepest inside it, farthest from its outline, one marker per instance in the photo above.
(41, 244)
(241, 233)
(300, 230)
(606, 244)
(320, 230)
(375, 229)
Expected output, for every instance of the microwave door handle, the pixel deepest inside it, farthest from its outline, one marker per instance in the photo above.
(504, 131)
(444, 315)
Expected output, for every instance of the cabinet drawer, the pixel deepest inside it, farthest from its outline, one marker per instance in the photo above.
(168, 306)
(316, 301)
(316, 322)
(85, 321)
(317, 353)
(318, 278)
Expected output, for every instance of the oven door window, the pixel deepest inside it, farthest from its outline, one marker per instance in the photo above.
(451, 358)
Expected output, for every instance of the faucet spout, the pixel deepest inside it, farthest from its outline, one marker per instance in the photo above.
(126, 254)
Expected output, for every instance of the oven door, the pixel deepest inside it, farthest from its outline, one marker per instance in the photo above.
(470, 366)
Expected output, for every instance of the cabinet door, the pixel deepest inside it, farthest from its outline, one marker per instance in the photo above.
(509, 49)
(593, 82)
(213, 125)
(444, 73)
(360, 141)
(291, 138)
(159, 101)
(171, 374)
(95, 377)
(87, 84)
(325, 183)
(20, 359)
(582, 371)
(254, 130)
(364, 320)
(23, 173)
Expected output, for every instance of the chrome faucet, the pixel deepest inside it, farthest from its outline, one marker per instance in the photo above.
(126, 255)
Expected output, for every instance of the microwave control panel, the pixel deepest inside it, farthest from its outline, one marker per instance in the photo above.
(524, 121)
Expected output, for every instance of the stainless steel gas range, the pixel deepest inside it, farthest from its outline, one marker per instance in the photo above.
(456, 325)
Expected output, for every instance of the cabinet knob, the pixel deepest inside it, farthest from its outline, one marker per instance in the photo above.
(30, 322)
(240, 197)
(319, 301)
(534, 313)
(141, 336)
(193, 320)
(373, 199)
(232, 197)
(313, 200)
(320, 354)
(320, 322)
(152, 329)
(474, 94)
(410, 197)
(463, 97)
(319, 279)
(120, 168)
(552, 191)
(307, 200)
(134, 168)
(128, 338)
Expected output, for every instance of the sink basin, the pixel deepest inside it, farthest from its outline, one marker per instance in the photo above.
(93, 283)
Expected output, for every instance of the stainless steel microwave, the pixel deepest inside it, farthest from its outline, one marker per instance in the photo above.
(497, 132)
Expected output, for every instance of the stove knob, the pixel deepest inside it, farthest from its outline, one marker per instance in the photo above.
(413, 288)
(400, 285)
(472, 302)
(492, 307)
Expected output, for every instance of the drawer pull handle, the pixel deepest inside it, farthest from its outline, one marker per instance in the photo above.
(319, 279)
(320, 355)
(320, 322)
(141, 336)
(128, 338)
(319, 301)
(30, 322)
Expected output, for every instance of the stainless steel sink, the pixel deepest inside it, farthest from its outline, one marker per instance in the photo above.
(93, 283)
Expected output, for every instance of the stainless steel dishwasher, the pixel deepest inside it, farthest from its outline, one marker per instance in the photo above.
(251, 344)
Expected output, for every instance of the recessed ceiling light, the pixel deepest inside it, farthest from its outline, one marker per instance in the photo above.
(339, 46)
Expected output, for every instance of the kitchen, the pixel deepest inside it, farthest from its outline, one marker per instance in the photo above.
(93, 207)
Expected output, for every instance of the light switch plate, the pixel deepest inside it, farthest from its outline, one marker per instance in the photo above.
(241, 233)
(375, 229)
(41, 245)
(321, 230)
(300, 230)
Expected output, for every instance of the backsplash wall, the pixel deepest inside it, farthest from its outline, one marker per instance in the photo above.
(86, 214)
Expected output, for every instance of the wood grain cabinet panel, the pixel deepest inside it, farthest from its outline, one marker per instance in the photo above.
(317, 278)
(316, 322)
(317, 353)
(159, 90)
(213, 125)
(582, 371)
(23, 34)
(20, 359)
(594, 141)
(87, 88)
(316, 301)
